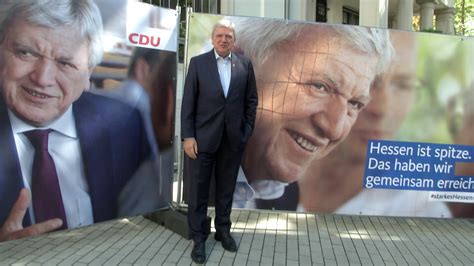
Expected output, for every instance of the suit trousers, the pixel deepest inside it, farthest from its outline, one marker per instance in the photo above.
(225, 162)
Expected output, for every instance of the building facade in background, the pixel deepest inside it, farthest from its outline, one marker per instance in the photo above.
(394, 14)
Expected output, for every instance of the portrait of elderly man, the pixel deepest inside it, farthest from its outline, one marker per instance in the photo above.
(65, 153)
(312, 81)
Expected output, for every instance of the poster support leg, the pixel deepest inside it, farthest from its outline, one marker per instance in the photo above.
(175, 219)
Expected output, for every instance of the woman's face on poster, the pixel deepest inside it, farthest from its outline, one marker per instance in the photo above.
(393, 95)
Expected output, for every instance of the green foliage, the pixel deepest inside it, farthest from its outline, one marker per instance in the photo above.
(432, 30)
(464, 17)
(444, 71)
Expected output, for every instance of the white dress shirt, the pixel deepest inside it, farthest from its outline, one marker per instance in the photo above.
(246, 193)
(225, 69)
(64, 147)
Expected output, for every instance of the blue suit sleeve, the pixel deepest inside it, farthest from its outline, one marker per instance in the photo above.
(188, 107)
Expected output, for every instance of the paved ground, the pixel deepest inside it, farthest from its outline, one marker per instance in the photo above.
(264, 238)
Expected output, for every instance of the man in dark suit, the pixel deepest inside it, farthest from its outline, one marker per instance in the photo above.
(217, 118)
(94, 144)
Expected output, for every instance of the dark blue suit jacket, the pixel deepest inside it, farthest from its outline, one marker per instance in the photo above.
(205, 110)
(113, 144)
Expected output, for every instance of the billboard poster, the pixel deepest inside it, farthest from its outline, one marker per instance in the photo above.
(139, 67)
(328, 91)
(86, 112)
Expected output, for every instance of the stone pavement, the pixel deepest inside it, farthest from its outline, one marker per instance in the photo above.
(264, 238)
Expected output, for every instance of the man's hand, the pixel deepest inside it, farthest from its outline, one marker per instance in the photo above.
(190, 147)
(13, 228)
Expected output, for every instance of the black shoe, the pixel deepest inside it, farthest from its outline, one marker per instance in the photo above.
(228, 243)
(199, 253)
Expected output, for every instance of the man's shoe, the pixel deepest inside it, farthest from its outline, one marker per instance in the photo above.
(199, 253)
(228, 243)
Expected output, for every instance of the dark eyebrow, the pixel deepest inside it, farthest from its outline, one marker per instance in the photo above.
(65, 59)
(315, 75)
(22, 46)
(365, 99)
(362, 98)
(16, 43)
(30, 49)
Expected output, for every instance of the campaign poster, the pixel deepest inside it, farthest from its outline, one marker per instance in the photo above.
(326, 91)
(139, 67)
(86, 112)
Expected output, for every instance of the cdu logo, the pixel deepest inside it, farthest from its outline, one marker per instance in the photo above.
(144, 40)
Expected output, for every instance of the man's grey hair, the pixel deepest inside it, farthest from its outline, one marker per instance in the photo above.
(81, 15)
(258, 38)
(224, 23)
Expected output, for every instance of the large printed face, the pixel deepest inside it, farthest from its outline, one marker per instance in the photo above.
(393, 95)
(42, 70)
(310, 94)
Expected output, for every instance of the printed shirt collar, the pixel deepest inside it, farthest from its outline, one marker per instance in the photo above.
(64, 124)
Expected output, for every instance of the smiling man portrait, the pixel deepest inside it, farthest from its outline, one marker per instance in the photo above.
(312, 80)
(66, 154)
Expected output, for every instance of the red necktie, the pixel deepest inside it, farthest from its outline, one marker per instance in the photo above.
(46, 194)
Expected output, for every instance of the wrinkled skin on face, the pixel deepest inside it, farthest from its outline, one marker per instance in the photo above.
(42, 71)
(310, 94)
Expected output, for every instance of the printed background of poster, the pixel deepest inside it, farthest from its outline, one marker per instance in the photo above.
(152, 188)
(421, 108)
